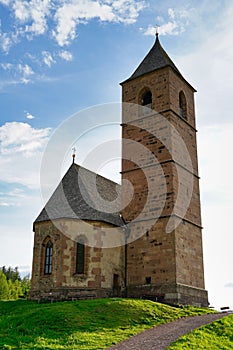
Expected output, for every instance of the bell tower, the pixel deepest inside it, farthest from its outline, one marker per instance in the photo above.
(164, 257)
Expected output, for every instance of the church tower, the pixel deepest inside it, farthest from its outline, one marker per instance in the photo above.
(164, 256)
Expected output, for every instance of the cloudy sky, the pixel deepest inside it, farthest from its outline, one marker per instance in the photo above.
(61, 57)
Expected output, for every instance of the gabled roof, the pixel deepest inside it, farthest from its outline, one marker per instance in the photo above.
(156, 58)
(76, 198)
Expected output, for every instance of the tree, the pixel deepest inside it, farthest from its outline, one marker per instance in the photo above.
(12, 290)
(11, 273)
(3, 286)
(26, 285)
(12, 286)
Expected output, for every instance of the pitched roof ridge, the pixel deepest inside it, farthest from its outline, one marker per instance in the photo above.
(72, 197)
(91, 171)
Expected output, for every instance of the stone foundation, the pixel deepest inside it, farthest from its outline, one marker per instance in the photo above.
(67, 293)
(170, 294)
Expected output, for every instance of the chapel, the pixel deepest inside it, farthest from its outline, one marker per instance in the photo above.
(152, 247)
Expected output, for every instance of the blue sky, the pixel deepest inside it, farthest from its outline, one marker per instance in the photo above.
(60, 57)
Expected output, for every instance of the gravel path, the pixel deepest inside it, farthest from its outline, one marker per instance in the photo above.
(160, 337)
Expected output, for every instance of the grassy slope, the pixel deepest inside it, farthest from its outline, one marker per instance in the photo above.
(215, 336)
(83, 325)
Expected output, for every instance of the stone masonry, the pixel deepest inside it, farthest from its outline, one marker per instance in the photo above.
(161, 216)
(64, 283)
(162, 265)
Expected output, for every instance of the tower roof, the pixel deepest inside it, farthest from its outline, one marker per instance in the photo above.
(75, 198)
(156, 58)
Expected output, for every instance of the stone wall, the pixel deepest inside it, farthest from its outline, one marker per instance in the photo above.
(101, 264)
(165, 249)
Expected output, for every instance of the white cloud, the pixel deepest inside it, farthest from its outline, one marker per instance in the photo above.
(25, 69)
(7, 40)
(5, 2)
(17, 192)
(71, 13)
(6, 197)
(4, 204)
(48, 58)
(25, 72)
(21, 151)
(32, 16)
(171, 13)
(16, 197)
(127, 11)
(6, 66)
(170, 28)
(58, 20)
(66, 55)
(176, 23)
(18, 137)
(35, 12)
(29, 116)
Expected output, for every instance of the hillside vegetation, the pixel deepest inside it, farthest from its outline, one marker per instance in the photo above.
(12, 286)
(83, 325)
(215, 336)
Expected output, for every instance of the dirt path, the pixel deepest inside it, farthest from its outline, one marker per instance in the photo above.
(160, 337)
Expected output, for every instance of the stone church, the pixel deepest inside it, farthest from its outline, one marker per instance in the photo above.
(159, 252)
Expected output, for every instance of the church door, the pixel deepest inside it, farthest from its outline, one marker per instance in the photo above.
(116, 286)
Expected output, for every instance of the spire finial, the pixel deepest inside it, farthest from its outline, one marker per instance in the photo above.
(157, 30)
(74, 153)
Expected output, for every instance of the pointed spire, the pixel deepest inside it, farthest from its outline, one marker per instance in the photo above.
(156, 58)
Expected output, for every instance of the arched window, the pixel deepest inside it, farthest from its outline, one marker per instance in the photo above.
(147, 99)
(80, 257)
(182, 105)
(48, 258)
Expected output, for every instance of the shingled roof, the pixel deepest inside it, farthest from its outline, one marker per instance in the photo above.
(76, 198)
(156, 58)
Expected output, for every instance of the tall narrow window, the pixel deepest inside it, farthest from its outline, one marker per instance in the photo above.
(48, 258)
(80, 257)
(183, 105)
(146, 101)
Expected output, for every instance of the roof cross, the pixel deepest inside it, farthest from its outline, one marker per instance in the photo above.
(157, 30)
(74, 153)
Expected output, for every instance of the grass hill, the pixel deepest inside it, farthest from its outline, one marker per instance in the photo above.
(215, 336)
(83, 325)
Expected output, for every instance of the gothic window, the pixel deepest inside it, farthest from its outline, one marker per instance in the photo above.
(80, 257)
(147, 99)
(182, 105)
(48, 258)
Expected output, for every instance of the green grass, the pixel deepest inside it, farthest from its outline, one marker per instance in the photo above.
(83, 325)
(215, 336)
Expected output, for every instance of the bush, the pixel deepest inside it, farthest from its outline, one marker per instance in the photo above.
(4, 290)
